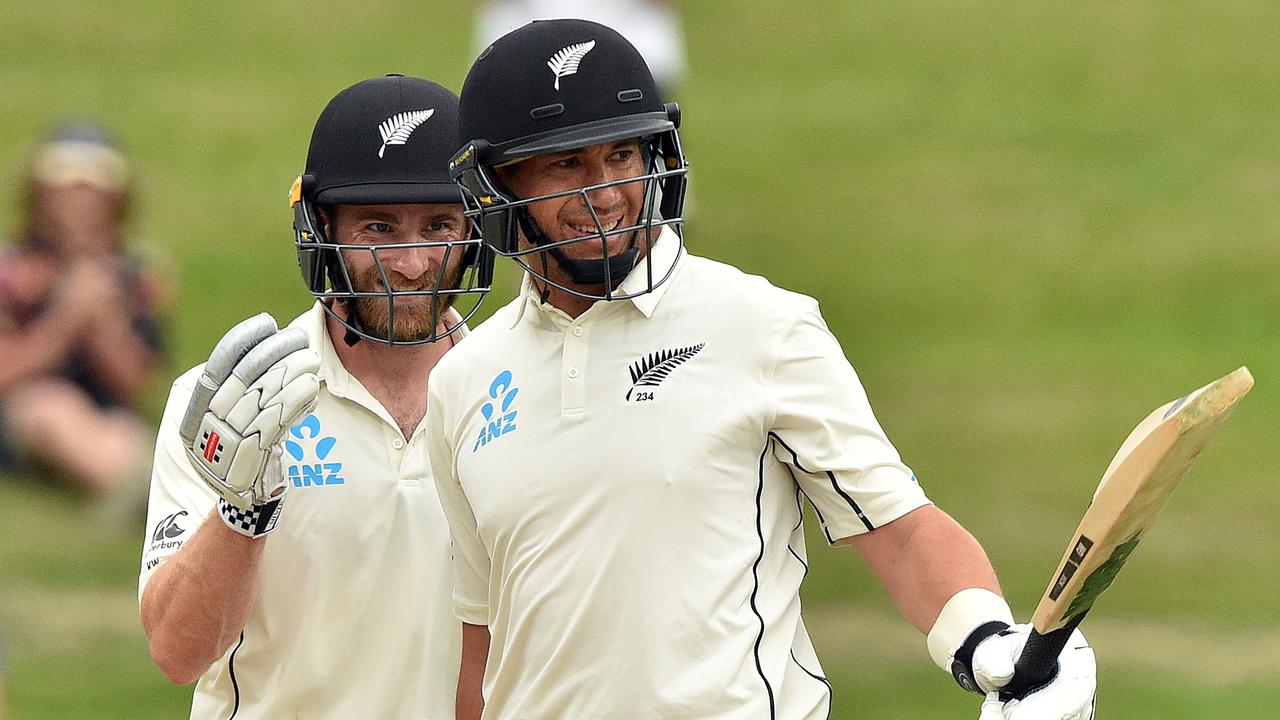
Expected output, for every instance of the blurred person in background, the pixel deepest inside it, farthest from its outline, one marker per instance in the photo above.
(330, 600)
(79, 320)
(652, 26)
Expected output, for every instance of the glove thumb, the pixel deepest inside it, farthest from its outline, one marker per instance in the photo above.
(994, 658)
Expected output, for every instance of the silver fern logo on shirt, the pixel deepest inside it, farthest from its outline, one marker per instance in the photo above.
(651, 370)
(396, 129)
(565, 62)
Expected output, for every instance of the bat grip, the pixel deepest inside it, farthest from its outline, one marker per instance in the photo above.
(1038, 663)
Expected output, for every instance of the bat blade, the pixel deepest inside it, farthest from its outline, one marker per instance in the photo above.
(1136, 485)
(1143, 474)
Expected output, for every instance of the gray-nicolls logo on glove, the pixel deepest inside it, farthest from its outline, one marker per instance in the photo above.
(258, 382)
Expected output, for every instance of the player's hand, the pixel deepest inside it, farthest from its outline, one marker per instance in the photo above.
(1068, 696)
(258, 382)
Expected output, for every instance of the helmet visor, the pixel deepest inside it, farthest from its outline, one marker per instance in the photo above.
(600, 131)
(389, 194)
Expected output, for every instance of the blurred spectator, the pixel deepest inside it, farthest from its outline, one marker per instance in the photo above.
(78, 320)
(653, 26)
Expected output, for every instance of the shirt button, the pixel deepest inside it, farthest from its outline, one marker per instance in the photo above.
(397, 443)
(577, 331)
(573, 372)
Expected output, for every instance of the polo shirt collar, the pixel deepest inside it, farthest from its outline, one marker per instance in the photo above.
(666, 254)
(331, 371)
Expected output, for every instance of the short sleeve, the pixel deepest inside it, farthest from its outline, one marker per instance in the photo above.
(179, 500)
(471, 562)
(824, 430)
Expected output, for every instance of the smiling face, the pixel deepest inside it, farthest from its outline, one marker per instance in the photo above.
(569, 216)
(377, 229)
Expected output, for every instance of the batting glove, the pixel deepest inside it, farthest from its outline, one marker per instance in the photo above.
(258, 382)
(1069, 695)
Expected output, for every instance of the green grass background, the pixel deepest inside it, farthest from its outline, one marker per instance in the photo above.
(1029, 223)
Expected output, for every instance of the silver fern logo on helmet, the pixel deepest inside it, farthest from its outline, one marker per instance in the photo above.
(396, 129)
(565, 63)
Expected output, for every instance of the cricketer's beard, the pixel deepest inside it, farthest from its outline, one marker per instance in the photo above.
(414, 314)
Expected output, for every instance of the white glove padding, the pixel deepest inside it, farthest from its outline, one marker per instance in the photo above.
(260, 519)
(258, 382)
(1068, 696)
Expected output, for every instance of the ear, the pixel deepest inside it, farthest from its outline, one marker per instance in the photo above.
(504, 173)
(327, 215)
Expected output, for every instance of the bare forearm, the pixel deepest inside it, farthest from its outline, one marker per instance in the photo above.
(923, 559)
(198, 602)
(475, 654)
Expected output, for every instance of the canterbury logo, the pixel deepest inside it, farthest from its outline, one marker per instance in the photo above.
(650, 371)
(168, 528)
(565, 62)
(396, 129)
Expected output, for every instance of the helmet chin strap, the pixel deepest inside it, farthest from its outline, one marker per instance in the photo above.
(351, 337)
(590, 271)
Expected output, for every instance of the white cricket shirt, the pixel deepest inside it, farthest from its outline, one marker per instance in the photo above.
(353, 618)
(624, 492)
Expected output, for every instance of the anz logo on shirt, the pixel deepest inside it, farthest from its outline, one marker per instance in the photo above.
(309, 450)
(499, 420)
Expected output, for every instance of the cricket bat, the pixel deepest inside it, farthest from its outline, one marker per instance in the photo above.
(1137, 484)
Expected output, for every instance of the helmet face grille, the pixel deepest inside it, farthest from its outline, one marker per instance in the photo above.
(504, 219)
(372, 305)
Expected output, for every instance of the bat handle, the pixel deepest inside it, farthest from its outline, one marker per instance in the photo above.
(1038, 663)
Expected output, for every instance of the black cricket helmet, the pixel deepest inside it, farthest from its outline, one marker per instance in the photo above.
(554, 86)
(385, 141)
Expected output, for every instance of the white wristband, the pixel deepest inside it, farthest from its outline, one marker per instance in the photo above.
(965, 612)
